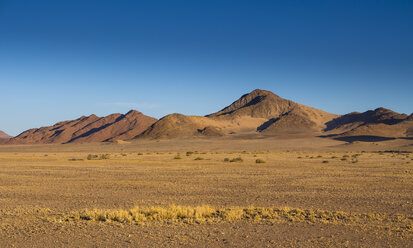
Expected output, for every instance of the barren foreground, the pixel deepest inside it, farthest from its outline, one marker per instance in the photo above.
(189, 195)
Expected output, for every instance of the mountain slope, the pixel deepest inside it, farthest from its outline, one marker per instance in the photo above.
(88, 129)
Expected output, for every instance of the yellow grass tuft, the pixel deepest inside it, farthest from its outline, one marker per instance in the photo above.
(206, 213)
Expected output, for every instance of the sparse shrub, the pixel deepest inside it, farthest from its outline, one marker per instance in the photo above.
(333, 157)
(105, 156)
(98, 157)
(260, 161)
(226, 159)
(325, 162)
(46, 155)
(237, 159)
(255, 156)
(199, 158)
(299, 157)
(189, 153)
(140, 154)
(343, 159)
(123, 154)
(319, 156)
(92, 156)
(75, 159)
(177, 156)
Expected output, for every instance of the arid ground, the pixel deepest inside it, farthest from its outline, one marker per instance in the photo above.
(303, 192)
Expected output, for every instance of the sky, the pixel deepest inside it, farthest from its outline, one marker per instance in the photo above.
(60, 60)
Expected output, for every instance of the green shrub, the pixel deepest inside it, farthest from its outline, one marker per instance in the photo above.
(199, 158)
(259, 161)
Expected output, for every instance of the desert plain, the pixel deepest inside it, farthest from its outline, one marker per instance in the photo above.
(294, 191)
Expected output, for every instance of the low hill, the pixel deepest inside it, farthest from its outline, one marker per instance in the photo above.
(178, 125)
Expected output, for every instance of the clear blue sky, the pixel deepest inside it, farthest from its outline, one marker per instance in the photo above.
(63, 59)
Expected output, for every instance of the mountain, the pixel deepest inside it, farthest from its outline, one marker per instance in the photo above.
(280, 114)
(4, 137)
(258, 111)
(379, 122)
(88, 129)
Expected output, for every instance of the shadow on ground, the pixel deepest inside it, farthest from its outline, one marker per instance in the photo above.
(363, 138)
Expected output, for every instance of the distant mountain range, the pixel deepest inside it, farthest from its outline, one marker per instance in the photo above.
(88, 129)
(258, 113)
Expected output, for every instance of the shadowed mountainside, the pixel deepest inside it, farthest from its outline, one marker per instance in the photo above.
(379, 122)
(88, 129)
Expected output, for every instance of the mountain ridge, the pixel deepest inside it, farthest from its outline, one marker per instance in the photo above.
(255, 114)
(87, 129)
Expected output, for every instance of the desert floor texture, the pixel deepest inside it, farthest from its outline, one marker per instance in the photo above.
(306, 192)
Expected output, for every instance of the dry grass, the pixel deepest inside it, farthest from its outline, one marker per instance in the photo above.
(205, 213)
